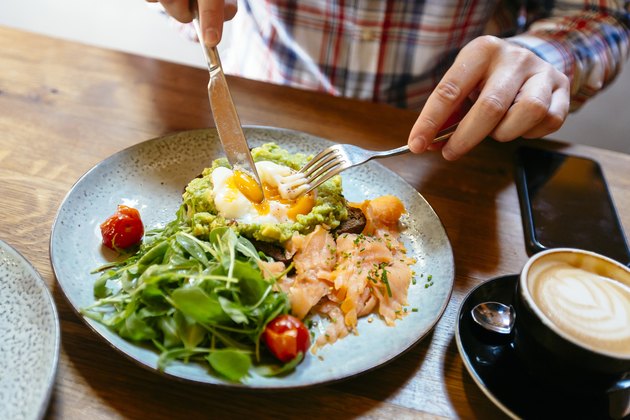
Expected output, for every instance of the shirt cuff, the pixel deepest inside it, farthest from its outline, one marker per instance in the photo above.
(589, 47)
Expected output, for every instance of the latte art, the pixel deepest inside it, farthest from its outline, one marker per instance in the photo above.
(592, 309)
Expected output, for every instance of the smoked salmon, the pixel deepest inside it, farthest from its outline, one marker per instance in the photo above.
(352, 275)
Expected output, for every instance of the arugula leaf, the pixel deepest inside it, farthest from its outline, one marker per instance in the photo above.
(251, 282)
(170, 332)
(136, 328)
(189, 332)
(232, 364)
(277, 370)
(191, 245)
(196, 304)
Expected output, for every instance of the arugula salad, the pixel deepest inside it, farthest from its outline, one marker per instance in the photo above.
(194, 300)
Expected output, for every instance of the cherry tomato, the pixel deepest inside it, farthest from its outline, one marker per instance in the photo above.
(123, 229)
(286, 337)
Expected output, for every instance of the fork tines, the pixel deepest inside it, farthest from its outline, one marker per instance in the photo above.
(326, 164)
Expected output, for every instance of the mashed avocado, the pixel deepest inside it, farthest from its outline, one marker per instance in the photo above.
(330, 207)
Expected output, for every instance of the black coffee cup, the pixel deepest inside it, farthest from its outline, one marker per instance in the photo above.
(572, 325)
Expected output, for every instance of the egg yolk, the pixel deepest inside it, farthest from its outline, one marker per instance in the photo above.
(302, 205)
(246, 184)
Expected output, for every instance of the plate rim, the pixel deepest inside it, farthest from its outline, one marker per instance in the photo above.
(38, 280)
(94, 326)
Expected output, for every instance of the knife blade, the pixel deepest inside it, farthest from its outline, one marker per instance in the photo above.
(226, 118)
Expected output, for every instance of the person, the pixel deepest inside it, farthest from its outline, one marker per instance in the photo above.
(525, 64)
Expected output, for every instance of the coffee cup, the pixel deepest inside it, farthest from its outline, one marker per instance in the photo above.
(573, 319)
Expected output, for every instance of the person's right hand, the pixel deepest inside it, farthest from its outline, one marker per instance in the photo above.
(212, 14)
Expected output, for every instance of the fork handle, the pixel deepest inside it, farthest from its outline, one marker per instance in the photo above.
(445, 134)
(442, 135)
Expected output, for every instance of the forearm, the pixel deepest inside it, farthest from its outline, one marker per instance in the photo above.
(589, 43)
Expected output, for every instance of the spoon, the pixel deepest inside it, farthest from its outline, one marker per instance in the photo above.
(494, 316)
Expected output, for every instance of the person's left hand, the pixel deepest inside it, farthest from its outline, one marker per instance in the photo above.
(517, 95)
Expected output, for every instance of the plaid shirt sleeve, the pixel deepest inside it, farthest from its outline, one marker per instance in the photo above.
(586, 40)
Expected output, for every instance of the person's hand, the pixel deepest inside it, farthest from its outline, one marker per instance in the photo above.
(515, 93)
(212, 14)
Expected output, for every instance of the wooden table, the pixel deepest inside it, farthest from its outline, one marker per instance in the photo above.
(65, 106)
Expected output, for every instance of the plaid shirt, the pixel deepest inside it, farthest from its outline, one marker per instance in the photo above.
(396, 51)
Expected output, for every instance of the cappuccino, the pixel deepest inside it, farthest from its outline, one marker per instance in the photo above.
(586, 298)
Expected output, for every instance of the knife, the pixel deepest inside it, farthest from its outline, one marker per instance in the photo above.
(226, 119)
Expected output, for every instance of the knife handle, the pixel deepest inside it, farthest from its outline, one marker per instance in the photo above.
(212, 57)
(211, 54)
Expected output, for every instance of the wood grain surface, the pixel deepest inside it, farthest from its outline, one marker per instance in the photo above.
(64, 107)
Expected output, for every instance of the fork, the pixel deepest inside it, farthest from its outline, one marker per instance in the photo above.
(337, 158)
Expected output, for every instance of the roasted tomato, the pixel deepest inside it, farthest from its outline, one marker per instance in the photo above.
(286, 337)
(123, 229)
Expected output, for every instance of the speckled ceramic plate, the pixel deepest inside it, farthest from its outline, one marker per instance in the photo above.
(29, 338)
(151, 177)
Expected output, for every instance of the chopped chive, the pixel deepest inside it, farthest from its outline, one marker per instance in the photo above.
(385, 280)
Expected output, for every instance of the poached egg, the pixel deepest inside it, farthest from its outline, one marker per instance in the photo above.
(237, 197)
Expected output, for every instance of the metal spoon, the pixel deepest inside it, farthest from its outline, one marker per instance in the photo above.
(494, 316)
